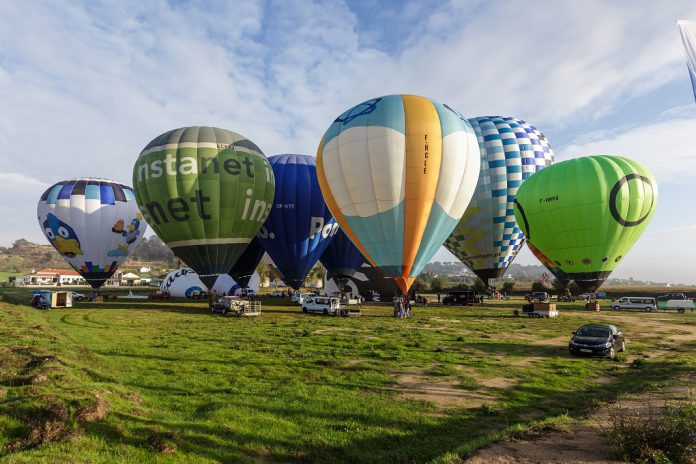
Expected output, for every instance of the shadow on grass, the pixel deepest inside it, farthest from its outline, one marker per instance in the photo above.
(399, 441)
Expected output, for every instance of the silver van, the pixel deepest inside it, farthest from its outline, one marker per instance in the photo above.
(634, 302)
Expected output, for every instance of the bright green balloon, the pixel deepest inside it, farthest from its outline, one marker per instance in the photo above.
(205, 192)
(585, 214)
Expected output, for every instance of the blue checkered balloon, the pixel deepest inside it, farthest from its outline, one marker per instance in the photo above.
(487, 237)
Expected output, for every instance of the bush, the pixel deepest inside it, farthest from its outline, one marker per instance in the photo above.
(437, 284)
(657, 438)
(539, 287)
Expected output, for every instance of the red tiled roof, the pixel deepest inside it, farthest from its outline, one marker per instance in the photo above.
(55, 272)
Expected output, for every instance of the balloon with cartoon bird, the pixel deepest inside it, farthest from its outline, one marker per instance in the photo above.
(93, 223)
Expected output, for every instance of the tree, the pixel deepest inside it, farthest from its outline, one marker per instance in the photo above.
(152, 249)
(480, 287)
(419, 285)
(437, 284)
(316, 273)
(263, 271)
(539, 287)
(508, 286)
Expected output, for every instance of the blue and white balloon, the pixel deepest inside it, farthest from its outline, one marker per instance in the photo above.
(93, 223)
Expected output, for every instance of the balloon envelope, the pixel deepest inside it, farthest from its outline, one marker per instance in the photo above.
(300, 225)
(549, 264)
(93, 223)
(585, 214)
(182, 282)
(397, 173)
(487, 238)
(206, 192)
(246, 265)
(341, 258)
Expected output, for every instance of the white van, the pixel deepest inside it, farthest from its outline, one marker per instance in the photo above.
(321, 304)
(634, 302)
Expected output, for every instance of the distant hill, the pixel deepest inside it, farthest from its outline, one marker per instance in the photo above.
(24, 255)
(457, 269)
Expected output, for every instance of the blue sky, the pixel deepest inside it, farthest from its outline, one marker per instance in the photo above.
(84, 86)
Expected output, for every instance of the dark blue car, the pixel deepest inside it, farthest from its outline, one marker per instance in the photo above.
(602, 340)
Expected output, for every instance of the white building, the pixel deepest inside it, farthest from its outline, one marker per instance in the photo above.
(54, 277)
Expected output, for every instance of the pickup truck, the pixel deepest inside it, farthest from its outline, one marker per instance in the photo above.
(238, 306)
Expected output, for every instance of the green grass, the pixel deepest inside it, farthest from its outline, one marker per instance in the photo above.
(287, 387)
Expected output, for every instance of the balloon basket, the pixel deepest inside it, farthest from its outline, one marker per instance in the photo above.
(594, 306)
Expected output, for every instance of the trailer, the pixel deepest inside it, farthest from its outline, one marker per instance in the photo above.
(680, 305)
(46, 299)
(539, 310)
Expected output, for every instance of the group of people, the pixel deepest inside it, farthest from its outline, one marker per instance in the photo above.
(402, 307)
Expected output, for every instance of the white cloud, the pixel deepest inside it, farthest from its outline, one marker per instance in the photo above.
(85, 86)
(686, 232)
(665, 147)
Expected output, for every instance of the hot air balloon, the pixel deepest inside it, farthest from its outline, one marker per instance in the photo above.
(341, 258)
(300, 225)
(487, 237)
(246, 265)
(93, 223)
(397, 173)
(585, 214)
(206, 192)
(182, 283)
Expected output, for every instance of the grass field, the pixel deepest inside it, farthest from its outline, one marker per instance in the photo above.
(169, 382)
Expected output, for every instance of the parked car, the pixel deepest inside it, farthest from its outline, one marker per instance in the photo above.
(159, 295)
(634, 302)
(321, 304)
(247, 292)
(459, 298)
(537, 297)
(672, 296)
(277, 294)
(77, 296)
(198, 295)
(299, 298)
(586, 296)
(602, 340)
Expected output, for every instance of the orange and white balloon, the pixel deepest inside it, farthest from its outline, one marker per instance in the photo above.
(397, 172)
